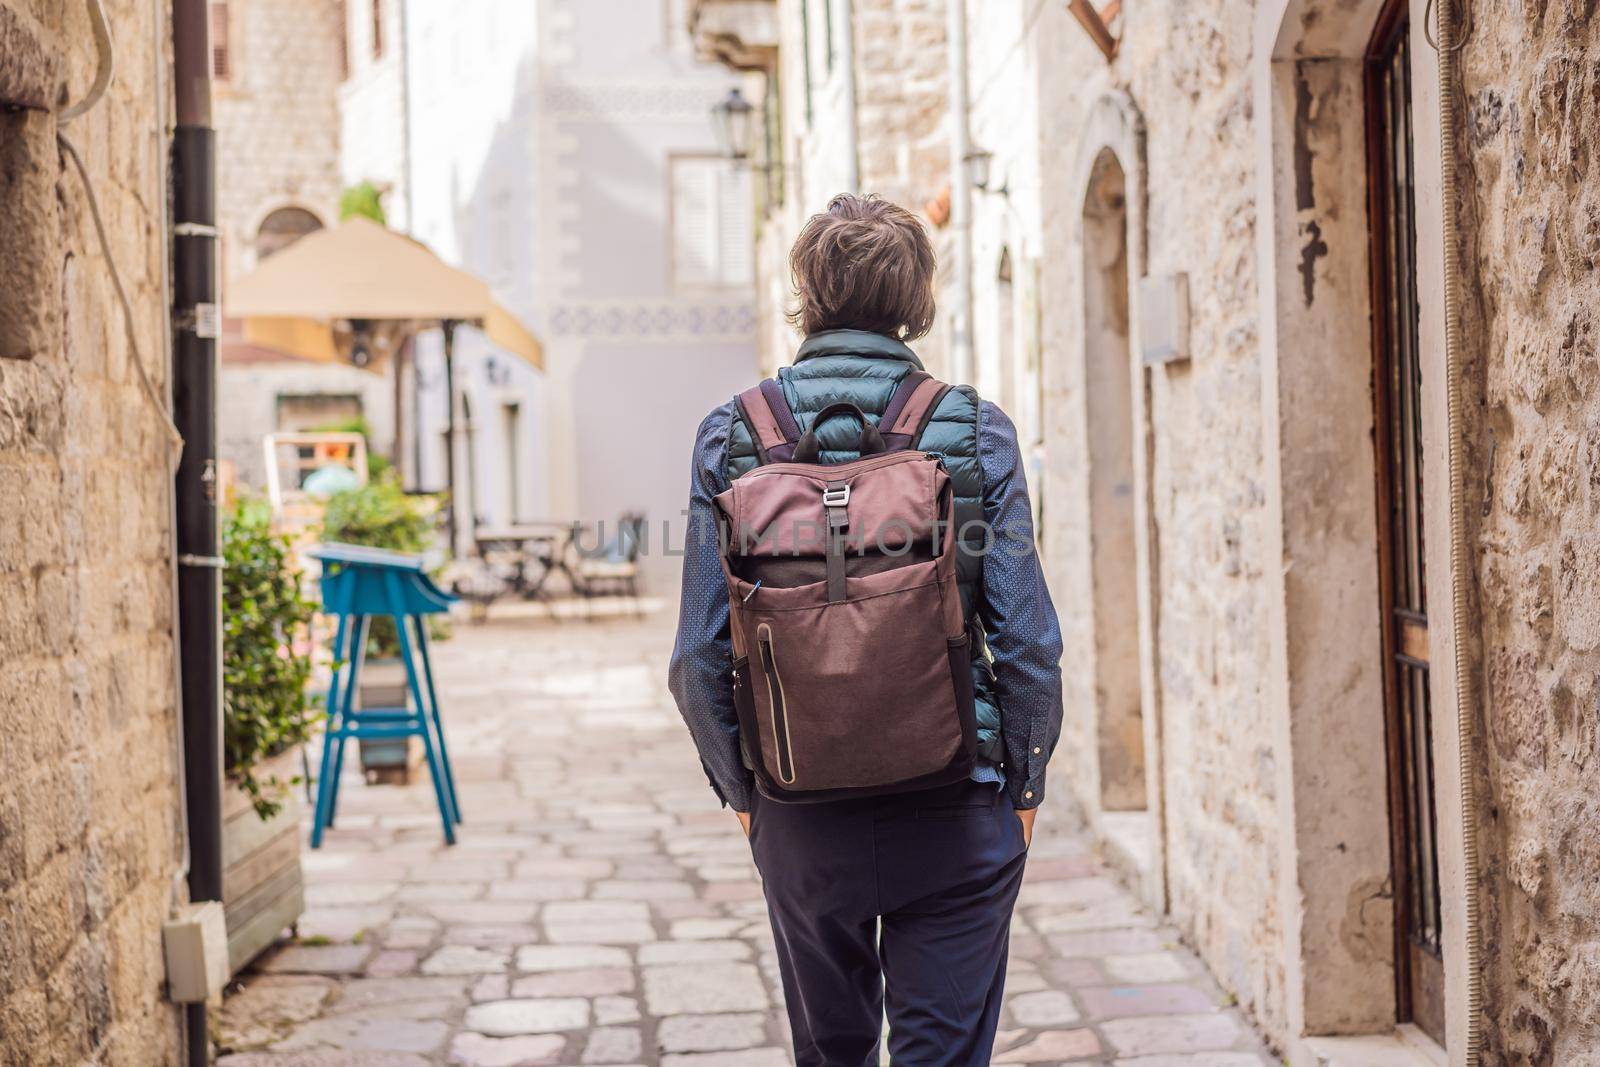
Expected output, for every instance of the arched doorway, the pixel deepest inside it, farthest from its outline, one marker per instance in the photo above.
(1112, 497)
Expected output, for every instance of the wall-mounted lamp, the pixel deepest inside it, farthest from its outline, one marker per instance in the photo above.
(979, 162)
(496, 370)
(733, 119)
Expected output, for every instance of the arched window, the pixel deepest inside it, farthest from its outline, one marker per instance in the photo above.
(283, 228)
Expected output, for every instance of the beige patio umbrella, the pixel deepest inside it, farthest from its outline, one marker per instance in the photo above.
(360, 272)
(358, 287)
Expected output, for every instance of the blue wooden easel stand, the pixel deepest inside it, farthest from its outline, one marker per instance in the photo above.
(357, 584)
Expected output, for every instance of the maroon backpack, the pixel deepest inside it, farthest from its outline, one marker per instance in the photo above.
(852, 672)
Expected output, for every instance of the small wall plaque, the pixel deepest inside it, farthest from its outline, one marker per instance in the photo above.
(1163, 318)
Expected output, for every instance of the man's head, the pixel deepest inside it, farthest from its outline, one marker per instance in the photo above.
(863, 264)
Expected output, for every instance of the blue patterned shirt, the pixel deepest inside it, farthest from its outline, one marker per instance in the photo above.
(1014, 605)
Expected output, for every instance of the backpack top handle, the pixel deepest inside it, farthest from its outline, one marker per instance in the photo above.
(809, 450)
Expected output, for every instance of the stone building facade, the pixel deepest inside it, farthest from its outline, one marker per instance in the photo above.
(1193, 274)
(90, 850)
(278, 68)
(276, 75)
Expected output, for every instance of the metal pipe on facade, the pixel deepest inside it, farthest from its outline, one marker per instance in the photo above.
(847, 59)
(961, 368)
(194, 402)
(448, 329)
(1460, 554)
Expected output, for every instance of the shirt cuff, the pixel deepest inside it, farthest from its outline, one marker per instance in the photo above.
(739, 798)
(735, 794)
(1029, 792)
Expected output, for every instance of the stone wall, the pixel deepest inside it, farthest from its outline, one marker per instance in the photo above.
(1531, 213)
(88, 797)
(1184, 133)
(277, 120)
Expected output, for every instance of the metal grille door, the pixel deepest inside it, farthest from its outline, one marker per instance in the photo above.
(1397, 389)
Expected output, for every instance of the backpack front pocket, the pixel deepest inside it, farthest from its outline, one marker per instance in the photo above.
(857, 695)
(782, 746)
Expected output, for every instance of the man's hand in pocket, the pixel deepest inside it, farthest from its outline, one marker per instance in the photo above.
(744, 821)
(1026, 817)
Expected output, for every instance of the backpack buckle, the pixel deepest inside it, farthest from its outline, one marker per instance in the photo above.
(836, 496)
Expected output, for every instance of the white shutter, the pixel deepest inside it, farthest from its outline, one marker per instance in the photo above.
(735, 254)
(694, 221)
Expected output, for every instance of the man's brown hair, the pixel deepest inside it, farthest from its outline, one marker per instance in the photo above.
(863, 264)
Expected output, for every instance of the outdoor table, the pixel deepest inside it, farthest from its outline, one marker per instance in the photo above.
(358, 583)
(545, 542)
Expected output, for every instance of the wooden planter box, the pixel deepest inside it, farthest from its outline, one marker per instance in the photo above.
(389, 760)
(263, 890)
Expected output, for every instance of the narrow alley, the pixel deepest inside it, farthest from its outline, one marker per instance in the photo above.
(600, 909)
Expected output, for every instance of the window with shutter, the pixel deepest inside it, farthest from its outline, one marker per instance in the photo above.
(221, 67)
(693, 223)
(711, 223)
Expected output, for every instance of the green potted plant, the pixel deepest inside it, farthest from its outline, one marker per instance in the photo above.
(382, 515)
(268, 715)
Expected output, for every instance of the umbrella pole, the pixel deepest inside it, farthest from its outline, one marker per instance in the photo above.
(448, 326)
(397, 440)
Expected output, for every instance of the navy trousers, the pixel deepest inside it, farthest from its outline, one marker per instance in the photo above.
(940, 869)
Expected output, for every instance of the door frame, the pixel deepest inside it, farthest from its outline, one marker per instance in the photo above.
(1326, 676)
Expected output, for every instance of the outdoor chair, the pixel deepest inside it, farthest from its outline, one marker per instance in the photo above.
(613, 570)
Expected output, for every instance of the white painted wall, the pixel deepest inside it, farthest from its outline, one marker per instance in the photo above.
(541, 138)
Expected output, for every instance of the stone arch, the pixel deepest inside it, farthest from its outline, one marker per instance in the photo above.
(1325, 670)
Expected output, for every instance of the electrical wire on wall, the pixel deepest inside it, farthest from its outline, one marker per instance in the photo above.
(102, 43)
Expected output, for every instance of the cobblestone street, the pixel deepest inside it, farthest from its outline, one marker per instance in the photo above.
(600, 909)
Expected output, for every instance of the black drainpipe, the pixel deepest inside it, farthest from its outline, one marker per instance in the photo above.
(194, 402)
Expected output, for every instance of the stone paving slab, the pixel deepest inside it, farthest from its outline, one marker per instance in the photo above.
(600, 909)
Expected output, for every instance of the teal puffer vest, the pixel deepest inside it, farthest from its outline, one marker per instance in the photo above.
(864, 368)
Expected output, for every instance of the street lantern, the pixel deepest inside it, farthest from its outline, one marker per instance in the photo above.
(978, 163)
(732, 118)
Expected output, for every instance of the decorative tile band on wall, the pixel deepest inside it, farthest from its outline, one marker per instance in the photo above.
(656, 320)
(638, 101)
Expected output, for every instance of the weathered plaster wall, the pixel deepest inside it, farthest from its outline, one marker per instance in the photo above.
(1531, 206)
(88, 801)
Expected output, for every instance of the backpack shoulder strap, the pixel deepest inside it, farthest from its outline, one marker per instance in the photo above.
(910, 409)
(772, 424)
